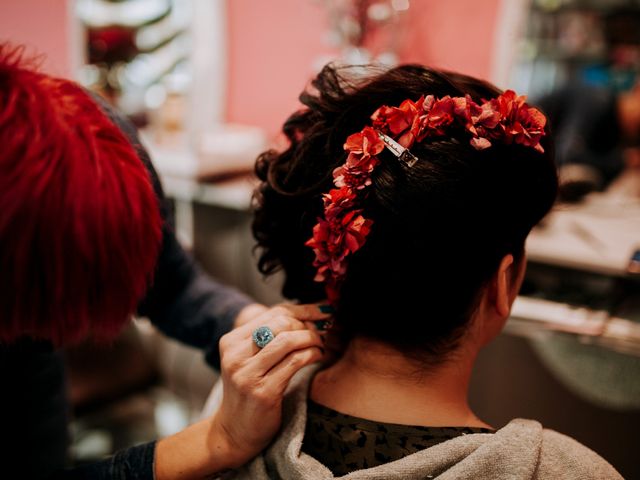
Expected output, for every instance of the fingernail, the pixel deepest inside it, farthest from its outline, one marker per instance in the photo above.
(325, 308)
(323, 325)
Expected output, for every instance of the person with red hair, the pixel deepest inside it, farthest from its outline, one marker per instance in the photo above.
(86, 241)
(79, 214)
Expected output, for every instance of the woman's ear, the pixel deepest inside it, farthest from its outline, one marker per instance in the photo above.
(498, 297)
(504, 285)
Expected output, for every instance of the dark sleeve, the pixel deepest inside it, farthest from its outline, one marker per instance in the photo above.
(135, 463)
(585, 128)
(183, 302)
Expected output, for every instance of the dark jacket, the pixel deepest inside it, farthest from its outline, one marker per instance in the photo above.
(585, 128)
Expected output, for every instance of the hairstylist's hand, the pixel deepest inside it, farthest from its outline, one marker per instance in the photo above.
(249, 313)
(254, 384)
(255, 379)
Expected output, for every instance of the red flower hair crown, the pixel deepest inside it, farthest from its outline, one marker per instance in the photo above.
(343, 230)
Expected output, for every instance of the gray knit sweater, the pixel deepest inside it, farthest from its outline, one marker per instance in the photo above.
(520, 450)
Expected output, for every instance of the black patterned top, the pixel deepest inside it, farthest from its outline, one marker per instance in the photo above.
(344, 443)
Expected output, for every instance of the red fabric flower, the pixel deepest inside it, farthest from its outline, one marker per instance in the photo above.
(396, 120)
(485, 119)
(333, 240)
(532, 122)
(478, 120)
(356, 229)
(366, 142)
(363, 148)
(356, 178)
(486, 116)
(343, 229)
(465, 109)
(508, 104)
(338, 200)
(520, 123)
(439, 115)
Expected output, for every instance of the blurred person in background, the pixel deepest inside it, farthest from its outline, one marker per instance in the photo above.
(86, 241)
(597, 138)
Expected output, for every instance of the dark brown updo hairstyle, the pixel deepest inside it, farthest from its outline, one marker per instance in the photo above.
(440, 227)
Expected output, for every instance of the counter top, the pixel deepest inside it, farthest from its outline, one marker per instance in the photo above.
(599, 235)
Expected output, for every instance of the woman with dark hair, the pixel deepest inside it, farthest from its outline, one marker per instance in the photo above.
(405, 198)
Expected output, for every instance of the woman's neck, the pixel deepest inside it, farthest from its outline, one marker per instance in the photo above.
(376, 382)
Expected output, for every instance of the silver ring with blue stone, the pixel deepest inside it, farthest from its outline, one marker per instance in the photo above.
(262, 336)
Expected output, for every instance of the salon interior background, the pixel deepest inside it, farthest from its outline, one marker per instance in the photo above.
(250, 60)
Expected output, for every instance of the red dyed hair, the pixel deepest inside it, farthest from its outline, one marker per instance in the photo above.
(80, 226)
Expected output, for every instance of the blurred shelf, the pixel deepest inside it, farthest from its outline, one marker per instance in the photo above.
(233, 194)
(599, 235)
(185, 179)
(533, 318)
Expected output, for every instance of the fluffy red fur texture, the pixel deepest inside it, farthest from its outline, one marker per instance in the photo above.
(80, 226)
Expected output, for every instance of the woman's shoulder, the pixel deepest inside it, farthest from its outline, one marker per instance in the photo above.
(563, 458)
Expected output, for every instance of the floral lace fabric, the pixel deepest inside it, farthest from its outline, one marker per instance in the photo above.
(344, 443)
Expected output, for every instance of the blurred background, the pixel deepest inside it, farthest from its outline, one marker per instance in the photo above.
(209, 82)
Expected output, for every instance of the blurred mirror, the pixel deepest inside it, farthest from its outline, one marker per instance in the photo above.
(137, 52)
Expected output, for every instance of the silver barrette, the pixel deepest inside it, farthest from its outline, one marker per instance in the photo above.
(403, 154)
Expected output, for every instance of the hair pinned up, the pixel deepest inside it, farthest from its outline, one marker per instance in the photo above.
(342, 230)
(435, 231)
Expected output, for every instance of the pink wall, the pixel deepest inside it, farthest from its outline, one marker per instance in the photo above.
(273, 44)
(452, 34)
(42, 25)
(272, 47)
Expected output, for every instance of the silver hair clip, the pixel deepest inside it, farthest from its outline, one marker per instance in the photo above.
(403, 154)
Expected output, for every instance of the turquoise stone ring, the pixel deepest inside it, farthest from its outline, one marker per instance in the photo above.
(262, 336)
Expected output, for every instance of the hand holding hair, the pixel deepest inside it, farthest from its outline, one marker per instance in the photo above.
(255, 380)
